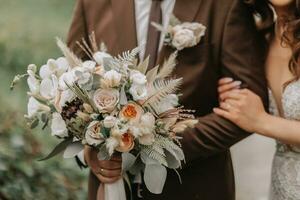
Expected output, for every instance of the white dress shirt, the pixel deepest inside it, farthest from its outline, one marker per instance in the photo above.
(142, 14)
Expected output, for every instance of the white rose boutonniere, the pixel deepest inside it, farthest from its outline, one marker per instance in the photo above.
(181, 35)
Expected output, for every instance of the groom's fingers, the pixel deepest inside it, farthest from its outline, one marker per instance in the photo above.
(110, 164)
(107, 180)
(109, 173)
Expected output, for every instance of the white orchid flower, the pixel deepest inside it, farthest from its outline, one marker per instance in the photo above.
(58, 126)
(66, 78)
(49, 87)
(33, 82)
(65, 96)
(34, 107)
(57, 67)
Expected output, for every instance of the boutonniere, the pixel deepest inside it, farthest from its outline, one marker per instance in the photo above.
(180, 35)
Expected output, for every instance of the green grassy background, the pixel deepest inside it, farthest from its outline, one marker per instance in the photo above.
(27, 35)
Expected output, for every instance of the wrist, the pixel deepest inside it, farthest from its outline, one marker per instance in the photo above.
(262, 123)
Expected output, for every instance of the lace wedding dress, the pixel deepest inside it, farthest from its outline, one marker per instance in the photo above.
(285, 183)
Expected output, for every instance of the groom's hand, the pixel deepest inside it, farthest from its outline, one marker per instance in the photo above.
(107, 171)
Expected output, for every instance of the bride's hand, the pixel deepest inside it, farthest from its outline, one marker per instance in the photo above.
(244, 108)
(227, 84)
(107, 171)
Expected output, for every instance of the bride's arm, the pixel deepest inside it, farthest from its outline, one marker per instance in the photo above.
(245, 108)
(287, 131)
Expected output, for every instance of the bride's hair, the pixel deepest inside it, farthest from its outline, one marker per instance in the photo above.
(291, 35)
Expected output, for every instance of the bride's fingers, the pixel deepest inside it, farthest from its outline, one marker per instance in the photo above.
(234, 94)
(224, 113)
(227, 106)
(225, 80)
(229, 86)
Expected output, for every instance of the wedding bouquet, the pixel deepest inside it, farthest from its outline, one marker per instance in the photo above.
(114, 104)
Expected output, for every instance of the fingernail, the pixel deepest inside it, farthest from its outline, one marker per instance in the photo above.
(237, 83)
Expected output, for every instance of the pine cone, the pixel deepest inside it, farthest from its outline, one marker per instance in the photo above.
(70, 109)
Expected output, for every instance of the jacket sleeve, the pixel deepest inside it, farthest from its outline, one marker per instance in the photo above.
(78, 29)
(241, 59)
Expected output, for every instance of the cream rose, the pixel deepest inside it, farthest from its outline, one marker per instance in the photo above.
(109, 121)
(198, 29)
(183, 38)
(106, 100)
(93, 135)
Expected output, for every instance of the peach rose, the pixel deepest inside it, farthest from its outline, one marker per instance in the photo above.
(126, 143)
(131, 112)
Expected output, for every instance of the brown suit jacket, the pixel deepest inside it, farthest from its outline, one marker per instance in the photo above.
(231, 47)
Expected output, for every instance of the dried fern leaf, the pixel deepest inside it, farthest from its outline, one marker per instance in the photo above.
(152, 74)
(143, 66)
(160, 89)
(168, 66)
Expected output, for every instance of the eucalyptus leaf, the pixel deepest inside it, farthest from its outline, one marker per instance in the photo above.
(172, 160)
(127, 161)
(73, 149)
(103, 153)
(59, 148)
(155, 176)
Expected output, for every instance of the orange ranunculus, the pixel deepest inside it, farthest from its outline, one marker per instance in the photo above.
(126, 143)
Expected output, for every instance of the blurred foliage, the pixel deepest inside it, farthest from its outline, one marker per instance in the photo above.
(27, 35)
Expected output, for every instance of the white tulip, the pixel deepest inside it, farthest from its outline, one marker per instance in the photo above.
(100, 56)
(34, 107)
(58, 126)
(111, 79)
(137, 78)
(138, 92)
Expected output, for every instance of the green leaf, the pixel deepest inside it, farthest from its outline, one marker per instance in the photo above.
(105, 131)
(34, 123)
(73, 149)
(59, 148)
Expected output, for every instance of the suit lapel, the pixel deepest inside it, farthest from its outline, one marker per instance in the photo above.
(124, 19)
(185, 11)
